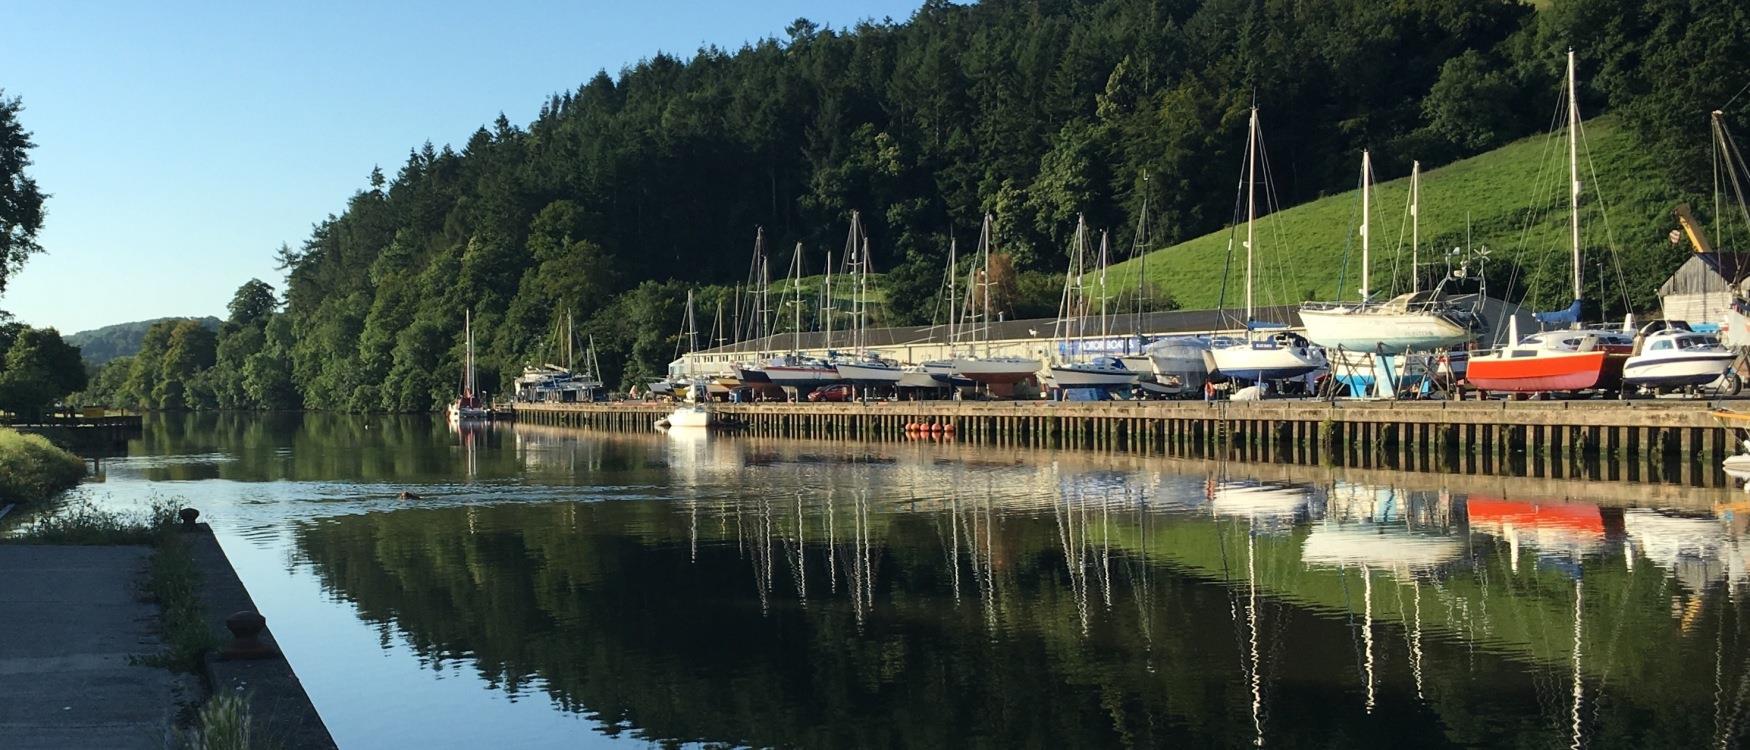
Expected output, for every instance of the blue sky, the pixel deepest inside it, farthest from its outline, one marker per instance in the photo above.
(183, 142)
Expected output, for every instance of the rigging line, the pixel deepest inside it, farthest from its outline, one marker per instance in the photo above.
(1735, 96)
(1609, 234)
(1544, 174)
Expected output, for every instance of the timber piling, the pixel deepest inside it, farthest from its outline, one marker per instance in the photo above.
(1662, 441)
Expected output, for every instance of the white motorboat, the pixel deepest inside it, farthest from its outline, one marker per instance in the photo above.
(1677, 358)
(1178, 362)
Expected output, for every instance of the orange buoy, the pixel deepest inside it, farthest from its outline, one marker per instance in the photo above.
(949, 427)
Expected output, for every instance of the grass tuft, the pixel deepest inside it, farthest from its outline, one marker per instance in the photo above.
(79, 520)
(222, 724)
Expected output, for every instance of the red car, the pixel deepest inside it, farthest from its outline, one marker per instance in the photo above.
(831, 393)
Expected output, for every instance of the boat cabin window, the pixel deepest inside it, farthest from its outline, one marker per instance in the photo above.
(1661, 345)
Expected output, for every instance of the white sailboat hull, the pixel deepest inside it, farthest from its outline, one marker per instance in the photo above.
(1001, 370)
(1071, 376)
(690, 417)
(869, 374)
(802, 377)
(1244, 362)
(1372, 329)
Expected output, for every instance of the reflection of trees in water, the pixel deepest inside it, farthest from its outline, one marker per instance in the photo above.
(639, 614)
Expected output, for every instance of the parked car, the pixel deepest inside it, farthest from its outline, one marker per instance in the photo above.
(839, 392)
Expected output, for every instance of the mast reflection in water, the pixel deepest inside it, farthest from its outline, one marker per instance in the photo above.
(765, 593)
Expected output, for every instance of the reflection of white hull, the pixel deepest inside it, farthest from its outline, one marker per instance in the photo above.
(1371, 544)
(1259, 501)
(1374, 329)
(690, 416)
(1072, 376)
(1676, 370)
(1243, 362)
(869, 374)
(997, 370)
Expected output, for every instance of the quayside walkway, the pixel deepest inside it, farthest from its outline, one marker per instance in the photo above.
(71, 621)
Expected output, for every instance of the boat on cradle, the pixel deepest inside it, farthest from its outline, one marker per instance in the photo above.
(1177, 364)
(695, 413)
(867, 370)
(468, 406)
(1676, 357)
(1570, 360)
(984, 368)
(1075, 371)
(1416, 320)
(1267, 351)
(1558, 360)
(799, 371)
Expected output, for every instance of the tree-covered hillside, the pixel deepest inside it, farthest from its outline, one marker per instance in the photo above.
(632, 188)
(100, 345)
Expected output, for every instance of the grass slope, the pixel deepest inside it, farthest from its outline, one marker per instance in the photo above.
(1514, 197)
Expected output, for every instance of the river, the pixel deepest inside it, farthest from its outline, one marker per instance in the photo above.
(558, 588)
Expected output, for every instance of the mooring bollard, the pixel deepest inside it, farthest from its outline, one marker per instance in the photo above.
(246, 643)
(189, 517)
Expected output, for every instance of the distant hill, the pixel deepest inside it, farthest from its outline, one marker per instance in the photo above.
(100, 345)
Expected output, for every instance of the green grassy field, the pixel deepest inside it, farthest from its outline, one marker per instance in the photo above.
(1514, 198)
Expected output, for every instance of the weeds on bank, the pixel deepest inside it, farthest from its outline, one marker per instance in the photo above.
(79, 520)
(173, 582)
(224, 723)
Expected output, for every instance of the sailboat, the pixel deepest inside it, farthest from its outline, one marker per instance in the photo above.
(759, 277)
(694, 412)
(862, 366)
(984, 368)
(550, 382)
(797, 370)
(1564, 360)
(1076, 369)
(1267, 351)
(942, 370)
(468, 407)
(1417, 320)
(1176, 364)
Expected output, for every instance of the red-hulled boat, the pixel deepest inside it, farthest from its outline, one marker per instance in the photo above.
(1554, 361)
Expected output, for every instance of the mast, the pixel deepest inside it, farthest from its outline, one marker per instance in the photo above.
(1141, 253)
(1103, 331)
(1251, 203)
(953, 307)
(984, 241)
(1574, 170)
(1415, 224)
(796, 266)
(863, 300)
(1366, 163)
(826, 309)
(570, 357)
(468, 354)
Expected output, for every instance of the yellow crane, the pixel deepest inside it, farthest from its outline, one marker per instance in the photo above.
(1692, 229)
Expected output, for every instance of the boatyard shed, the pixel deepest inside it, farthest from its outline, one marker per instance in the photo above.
(1700, 291)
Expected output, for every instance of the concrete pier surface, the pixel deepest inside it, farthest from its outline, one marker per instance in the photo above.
(71, 618)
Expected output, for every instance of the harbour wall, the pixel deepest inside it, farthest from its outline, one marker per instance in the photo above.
(1659, 441)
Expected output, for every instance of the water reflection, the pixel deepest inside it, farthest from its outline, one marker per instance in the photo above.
(771, 593)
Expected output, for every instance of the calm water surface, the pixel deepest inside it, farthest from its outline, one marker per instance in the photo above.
(562, 588)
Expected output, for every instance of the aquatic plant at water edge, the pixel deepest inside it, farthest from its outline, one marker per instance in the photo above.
(32, 469)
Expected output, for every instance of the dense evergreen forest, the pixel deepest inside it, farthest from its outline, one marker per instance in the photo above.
(633, 188)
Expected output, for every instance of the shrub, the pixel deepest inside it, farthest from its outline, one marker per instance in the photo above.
(32, 469)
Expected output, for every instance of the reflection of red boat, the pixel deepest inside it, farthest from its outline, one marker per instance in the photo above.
(1577, 517)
